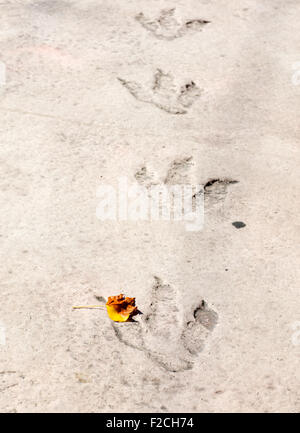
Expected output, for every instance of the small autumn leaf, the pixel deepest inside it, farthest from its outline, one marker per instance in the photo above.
(121, 309)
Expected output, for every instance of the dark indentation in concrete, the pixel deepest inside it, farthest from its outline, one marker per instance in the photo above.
(204, 315)
(211, 182)
(195, 23)
(238, 224)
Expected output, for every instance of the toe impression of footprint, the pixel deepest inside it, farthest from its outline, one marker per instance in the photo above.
(164, 334)
(177, 173)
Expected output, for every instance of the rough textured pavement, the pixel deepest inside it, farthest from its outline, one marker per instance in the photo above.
(189, 92)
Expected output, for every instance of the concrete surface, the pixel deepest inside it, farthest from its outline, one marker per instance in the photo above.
(96, 90)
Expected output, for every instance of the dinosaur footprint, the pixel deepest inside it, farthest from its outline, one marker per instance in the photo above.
(164, 94)
(179, 173)
(168, 27)
(163, 333)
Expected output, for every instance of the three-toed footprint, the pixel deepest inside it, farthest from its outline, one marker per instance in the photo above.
(168, 26)
(164, 93)
(179, 173)
(165, 333)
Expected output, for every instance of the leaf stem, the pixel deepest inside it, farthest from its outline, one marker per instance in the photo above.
(88, 306)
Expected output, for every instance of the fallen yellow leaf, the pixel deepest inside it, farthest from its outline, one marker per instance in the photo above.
(121, 309)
